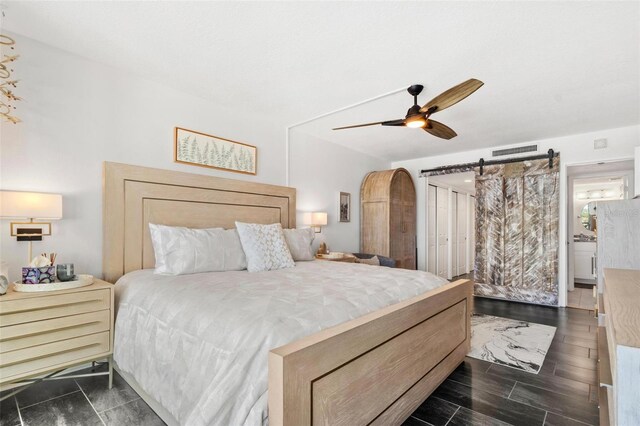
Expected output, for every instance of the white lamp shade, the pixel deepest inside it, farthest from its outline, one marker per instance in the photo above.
(318, 219)
(315, 218)
(30, 205)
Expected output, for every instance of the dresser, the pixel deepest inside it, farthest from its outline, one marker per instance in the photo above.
(619, 347)
(44, 332)
(388, 216)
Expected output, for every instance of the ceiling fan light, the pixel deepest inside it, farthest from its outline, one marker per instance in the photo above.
(415, 124)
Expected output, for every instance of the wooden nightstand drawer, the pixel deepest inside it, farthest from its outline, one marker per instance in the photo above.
(48, 356)
(29, 334)
(29, 309)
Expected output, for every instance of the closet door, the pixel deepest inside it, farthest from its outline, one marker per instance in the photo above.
(454, 234)
(472, 234)
(442, 206)
(432, 237)
(462, 234)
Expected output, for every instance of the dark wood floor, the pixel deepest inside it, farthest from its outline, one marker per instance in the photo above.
(564, 392)
(477, 393)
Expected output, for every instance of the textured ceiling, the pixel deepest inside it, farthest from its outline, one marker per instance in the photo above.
(550, 68)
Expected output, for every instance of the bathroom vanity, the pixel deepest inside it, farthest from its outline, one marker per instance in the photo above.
(585, 261)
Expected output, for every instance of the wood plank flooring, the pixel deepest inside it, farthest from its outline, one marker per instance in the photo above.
(476, 393)
(564, 392)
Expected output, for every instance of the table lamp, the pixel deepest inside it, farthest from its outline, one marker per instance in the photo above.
(31, 206)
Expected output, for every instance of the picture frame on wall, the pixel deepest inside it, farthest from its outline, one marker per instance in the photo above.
(200, 149)
(345, 207)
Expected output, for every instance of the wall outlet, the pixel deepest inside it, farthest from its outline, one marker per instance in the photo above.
(600, 144)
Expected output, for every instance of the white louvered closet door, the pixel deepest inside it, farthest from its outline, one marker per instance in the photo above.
(454, 234)
(442, 203)
(462, 234)
(432, 236)
(472, 234)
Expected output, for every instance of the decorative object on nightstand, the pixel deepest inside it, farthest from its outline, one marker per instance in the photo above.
(64, 272)
(322, 249)
(43, 334)
(31, 206)
(316, 220)
(39, 271)
(4, 284)
(4, 281)
(337, 257)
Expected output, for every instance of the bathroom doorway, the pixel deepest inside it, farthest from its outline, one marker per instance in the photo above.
(587, 186)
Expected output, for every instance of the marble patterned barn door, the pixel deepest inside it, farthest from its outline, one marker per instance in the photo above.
(517, 221)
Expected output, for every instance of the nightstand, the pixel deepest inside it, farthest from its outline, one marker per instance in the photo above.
(348, 258)
(44, 333)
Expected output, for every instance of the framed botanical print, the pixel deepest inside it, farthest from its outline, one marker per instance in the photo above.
(201, 149)
(345, 207)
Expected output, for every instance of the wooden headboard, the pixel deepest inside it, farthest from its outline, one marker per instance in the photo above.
(133, 196)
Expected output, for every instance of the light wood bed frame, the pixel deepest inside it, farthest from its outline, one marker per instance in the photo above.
(376, 369)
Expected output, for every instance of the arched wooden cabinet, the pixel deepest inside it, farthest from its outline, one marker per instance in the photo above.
(388, 216)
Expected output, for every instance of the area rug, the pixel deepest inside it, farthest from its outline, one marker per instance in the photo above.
(517, 344)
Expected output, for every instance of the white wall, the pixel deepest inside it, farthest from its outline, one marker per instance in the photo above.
(79, 113)
(574, 149)
(328, 169)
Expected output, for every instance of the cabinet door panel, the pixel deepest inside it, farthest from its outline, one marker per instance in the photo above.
(583, 265)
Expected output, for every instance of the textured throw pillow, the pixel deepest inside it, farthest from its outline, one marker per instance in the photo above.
(264, 246)
(180, 250)
(299, 242)
(371, 261)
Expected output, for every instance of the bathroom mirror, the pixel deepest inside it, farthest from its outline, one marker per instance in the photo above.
(588, 216)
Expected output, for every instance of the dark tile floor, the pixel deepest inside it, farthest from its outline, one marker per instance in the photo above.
(564, 392)
(476, 393)
(78, 402)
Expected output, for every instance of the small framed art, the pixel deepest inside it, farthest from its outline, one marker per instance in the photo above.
(345, 207)
(201, 149)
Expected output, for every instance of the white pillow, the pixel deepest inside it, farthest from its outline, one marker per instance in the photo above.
(264, 246)
(299, 242)
(180, 250)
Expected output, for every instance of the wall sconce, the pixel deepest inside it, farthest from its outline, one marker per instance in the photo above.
(30, 205)
(316, 220)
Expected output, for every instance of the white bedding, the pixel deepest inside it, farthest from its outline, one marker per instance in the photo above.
(199, 343)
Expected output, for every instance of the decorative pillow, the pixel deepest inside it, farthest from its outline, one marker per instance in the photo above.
(180, 250)
(265, 246)
(371, 261)
(299, 242)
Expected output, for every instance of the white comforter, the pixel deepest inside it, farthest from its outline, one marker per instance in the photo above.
(199, 343)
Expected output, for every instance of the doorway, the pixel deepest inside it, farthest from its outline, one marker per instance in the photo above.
(451, 225)
(587, 186)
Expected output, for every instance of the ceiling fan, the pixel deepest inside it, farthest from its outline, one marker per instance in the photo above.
(419, 117)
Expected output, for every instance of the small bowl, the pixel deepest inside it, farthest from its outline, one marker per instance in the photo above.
(39, 275)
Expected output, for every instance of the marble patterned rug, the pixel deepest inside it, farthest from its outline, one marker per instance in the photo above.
(518, 344)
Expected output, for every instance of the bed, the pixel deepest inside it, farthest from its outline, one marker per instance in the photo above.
(325, 338)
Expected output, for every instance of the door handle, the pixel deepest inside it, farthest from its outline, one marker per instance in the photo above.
(593, 266)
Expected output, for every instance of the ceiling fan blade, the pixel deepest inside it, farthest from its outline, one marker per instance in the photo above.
(440, 130)
(399, 122)
(451, 96)
(359, 125)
